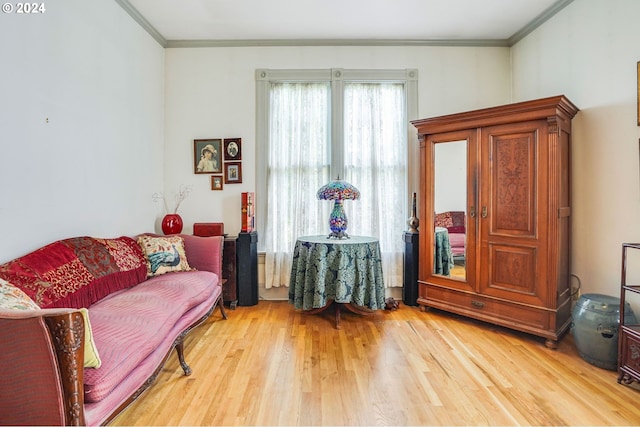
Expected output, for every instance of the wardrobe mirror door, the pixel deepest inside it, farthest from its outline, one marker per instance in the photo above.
(450, 203)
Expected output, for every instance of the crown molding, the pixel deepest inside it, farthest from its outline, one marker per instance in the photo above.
(142, 21)
(332, 42)
(519, 35)
(538, 21)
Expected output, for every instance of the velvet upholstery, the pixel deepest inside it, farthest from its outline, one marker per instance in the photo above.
(134, 330)
(39, 371)
(144, 315)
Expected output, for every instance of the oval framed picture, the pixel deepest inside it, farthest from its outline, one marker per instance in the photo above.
(232, 149)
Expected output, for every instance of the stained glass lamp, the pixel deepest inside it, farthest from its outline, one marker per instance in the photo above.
(338, 190)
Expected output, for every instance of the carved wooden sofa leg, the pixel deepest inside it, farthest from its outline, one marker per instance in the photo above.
(220, 303)
(179, 343)
(180, 350)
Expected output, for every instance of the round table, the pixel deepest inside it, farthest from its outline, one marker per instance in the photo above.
(338, 272)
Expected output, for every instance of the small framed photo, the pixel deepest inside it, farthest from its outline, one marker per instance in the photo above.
(207, 155)
(233, 172)
(216, 182)
(232, 149)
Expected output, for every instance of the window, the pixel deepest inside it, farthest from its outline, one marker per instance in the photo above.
(317, 125)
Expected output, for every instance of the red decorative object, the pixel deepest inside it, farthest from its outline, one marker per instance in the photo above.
(205, 229)
(248, 212)
(172, 224)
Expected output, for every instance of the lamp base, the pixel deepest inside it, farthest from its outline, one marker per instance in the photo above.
(338, 222)
(338, 235)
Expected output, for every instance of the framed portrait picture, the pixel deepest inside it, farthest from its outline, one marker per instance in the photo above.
(232, 172)
(207, 155)
(233, 149)
(216, 182)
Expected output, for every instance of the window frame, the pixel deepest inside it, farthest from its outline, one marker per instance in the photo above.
(337, 78)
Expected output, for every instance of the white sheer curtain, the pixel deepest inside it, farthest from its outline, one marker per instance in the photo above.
(375, 157)
(298, 165)
(374, 150)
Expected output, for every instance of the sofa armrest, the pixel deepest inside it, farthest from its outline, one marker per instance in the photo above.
(43, 364)
(204, 253)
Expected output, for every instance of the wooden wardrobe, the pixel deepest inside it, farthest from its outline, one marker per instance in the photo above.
(508, 169)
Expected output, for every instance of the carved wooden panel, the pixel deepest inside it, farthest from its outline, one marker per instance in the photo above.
(512, 269)
(67, 333)
(513, 157)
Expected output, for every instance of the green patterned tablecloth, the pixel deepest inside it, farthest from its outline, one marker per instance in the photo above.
(443, 257)
(345, 271)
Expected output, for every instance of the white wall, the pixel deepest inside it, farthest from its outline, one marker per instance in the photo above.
(210, 93)
(81, 125)
(589, 53)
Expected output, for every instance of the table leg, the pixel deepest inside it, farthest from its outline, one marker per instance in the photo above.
(358, 309)
(337, 306)
(321, 309)
(330, 302)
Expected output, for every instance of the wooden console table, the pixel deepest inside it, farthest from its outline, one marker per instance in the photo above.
(331, 272)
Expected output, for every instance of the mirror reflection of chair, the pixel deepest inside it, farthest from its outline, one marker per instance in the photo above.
(454, 222)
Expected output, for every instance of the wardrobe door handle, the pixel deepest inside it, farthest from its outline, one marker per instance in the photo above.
(484, 212)
(472, 212)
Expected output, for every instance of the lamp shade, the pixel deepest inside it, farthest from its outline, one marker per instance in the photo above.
(338, 191)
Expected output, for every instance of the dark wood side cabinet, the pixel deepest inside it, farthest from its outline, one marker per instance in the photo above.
(629, 336)
(247, 264)
(229, 273)
(515, 179)
(411, 260)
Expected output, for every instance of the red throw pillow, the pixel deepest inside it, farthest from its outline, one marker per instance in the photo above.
(77, 272)
(443, 220)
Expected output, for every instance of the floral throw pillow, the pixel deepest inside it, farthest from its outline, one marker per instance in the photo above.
(14, 298)
(163, 254)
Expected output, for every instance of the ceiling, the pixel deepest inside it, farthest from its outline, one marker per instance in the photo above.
(177, 23)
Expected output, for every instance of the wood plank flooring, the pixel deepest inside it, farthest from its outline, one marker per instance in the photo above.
(272, 365)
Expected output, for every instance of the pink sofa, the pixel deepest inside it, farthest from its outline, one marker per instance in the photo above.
(135, 320)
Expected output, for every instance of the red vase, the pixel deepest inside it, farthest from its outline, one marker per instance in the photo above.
(172, 224)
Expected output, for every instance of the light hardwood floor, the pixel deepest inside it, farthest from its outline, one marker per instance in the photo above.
(272, 365)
